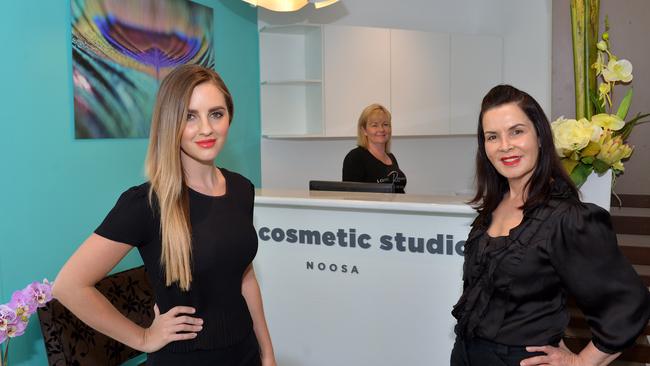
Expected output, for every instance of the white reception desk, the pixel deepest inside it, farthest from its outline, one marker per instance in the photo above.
(360, 278)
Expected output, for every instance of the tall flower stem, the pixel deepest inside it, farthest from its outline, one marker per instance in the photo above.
(584, 32)
(4, 355)
(593, 16)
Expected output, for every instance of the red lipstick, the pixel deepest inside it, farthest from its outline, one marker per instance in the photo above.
(206, 144)
(511, 160)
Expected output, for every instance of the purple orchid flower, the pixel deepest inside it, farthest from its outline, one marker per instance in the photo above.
(23, 304)
(17, 328)
(40, 293)
(26, 301)
(14, 316)
(7, 316)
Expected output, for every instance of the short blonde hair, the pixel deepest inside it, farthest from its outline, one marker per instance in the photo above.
(362, 139)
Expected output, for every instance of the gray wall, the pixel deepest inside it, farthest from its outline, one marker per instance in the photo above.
(629, 39)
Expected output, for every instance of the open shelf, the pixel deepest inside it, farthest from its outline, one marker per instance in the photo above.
(291, 74)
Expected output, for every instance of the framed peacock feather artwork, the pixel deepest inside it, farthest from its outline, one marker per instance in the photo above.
(121, 50)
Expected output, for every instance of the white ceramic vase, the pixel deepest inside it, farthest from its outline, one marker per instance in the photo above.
(597, 189)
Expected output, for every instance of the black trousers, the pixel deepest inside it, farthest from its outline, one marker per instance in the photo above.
(480, 352)
(245, 353)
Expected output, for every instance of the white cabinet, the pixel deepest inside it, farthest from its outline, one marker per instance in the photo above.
(316, 79)
(419, 82)
(476, 67)
(291, 80)
(356, 63)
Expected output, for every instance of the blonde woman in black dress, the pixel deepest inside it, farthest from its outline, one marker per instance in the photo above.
(192, 223)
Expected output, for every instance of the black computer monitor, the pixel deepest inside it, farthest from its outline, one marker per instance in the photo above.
(327, 185)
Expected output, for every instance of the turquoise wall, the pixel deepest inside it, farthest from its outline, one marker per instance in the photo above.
(55, 190)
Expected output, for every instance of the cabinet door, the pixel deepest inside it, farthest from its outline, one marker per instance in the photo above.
(419, 82)
(476, 67)
(356, 73)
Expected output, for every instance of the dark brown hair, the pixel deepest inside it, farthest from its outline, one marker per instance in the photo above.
(490, 185)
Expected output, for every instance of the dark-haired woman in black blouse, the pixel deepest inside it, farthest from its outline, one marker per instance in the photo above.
(532, 244)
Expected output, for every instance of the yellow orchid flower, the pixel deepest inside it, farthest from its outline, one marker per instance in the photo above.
(603, 94)
(618, 70)
(608, 121)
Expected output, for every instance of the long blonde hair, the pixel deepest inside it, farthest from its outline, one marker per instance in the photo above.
(164, 170)
(362, 139)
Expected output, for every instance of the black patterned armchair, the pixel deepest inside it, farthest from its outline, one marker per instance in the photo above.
(70, 342)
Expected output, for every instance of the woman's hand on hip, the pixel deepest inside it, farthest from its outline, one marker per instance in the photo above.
(174, 325)
(554, 356)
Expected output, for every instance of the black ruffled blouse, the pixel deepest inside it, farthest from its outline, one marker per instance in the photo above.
(515, 287)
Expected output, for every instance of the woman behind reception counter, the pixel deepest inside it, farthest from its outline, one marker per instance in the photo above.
(533, 244)
(371, 161)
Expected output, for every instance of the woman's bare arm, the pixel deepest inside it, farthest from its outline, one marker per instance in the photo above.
(75, 288)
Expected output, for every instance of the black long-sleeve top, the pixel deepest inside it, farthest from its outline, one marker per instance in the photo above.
(516, 286)
(360, 165)
(224, 243)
